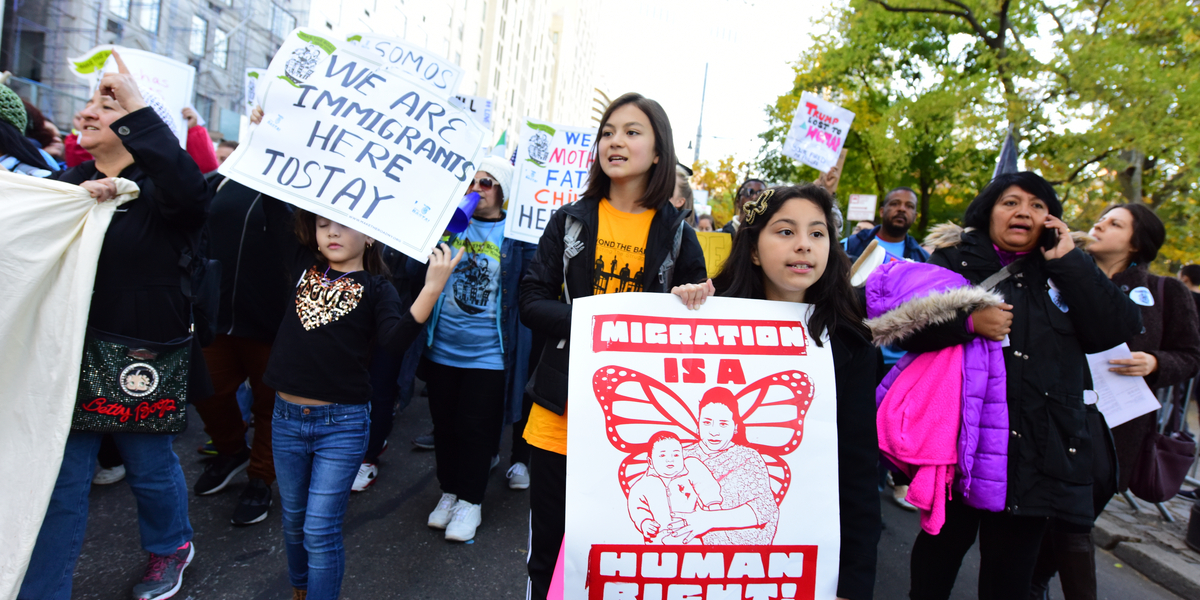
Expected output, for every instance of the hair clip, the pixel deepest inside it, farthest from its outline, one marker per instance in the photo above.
(757, 206)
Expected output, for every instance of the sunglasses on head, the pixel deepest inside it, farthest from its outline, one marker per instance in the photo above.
(484, 183)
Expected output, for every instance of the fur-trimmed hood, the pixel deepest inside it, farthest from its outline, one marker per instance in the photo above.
(946, 235)
(906, 297)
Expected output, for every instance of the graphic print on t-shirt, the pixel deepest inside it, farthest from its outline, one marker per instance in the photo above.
(320, 301)
(473, 276)
(620, 250)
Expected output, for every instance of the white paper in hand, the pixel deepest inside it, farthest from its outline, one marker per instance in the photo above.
(1122, 397)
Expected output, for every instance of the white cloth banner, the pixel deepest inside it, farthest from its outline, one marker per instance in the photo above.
(172, 81)
(552, 171)
(684, 442)
(375, 150)
(403, 57)
(49, 267)
(818, 132)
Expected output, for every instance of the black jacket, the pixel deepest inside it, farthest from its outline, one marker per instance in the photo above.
(255, 286)
(1050, 448)
(137, 291)
(854, 365)
(543, 309)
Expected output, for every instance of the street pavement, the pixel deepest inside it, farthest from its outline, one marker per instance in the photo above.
(392, 554)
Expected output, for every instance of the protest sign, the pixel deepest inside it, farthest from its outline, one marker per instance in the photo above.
(684, 441)
(861, 207)
(401, 56)
(479, 107)
(379, 151)
(171, 81)
(552, 171)
(254, 79)
(818, 132)
(716, 246)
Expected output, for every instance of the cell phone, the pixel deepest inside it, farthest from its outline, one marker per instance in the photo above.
(1049, 239)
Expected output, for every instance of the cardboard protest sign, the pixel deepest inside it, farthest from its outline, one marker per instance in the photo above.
(686, 432)
(716, 246)
(552, 171)
(479, 107)
(173, 82)
(861, 207)
(254, 79)
(404, 57)
(818, 132)
(379, 151)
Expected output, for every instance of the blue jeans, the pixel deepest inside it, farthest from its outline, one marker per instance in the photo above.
(153, 473)
(318, 450)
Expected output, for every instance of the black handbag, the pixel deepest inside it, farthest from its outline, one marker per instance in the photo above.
(128, 385)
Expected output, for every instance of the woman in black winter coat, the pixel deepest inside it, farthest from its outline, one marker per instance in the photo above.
(1059, 307)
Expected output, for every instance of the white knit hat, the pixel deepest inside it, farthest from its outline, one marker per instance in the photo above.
(501, 171)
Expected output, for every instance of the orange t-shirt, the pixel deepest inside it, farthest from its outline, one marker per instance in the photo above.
(620, 266)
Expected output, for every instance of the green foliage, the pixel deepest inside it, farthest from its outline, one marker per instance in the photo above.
(721, 183)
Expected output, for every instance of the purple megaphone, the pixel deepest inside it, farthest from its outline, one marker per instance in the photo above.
(462, 214)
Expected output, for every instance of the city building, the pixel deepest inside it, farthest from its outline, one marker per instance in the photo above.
(220, 38)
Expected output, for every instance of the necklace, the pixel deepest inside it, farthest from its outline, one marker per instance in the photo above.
(325, 277)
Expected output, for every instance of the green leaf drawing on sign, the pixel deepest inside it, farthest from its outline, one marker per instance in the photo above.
(93, 63)
(321, 43)
(536, 162)
(253, 74)
(289, 81)
(546, 128)
(354, 38)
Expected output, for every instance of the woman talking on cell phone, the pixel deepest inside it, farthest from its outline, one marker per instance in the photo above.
(1058, 306)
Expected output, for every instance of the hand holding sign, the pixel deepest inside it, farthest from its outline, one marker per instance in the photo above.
(120, 86)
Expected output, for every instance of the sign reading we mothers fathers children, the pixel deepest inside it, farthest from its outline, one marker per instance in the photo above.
(818, 132)
(702, 452)
(376, 150)
(552, 171)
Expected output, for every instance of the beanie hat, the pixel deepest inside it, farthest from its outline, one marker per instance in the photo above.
(12, 110)
(501, 171)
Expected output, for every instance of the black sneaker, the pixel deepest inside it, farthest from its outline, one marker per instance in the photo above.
(254, 504)
(424, 442)
(220, 472)
(164, 574)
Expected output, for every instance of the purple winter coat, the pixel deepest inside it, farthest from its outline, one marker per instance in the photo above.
(902, 298)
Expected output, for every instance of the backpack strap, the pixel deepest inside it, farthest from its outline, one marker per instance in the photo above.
(991, 282)
(667, 270)
(572, 246)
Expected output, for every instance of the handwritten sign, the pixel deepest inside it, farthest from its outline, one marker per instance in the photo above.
(818, 132)
(716, 246)
(399, 55)
(552, 171)
(479, 107)
(254, 79)
(861, 207)
(172, 81)
(679, 421)
(379, 151)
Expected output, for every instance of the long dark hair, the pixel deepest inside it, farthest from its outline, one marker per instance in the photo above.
(306, 232)
(834, 302)
(1148, 232)
(662, 174)
(979, 212)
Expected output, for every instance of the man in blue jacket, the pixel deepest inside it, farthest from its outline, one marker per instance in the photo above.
(897, 215)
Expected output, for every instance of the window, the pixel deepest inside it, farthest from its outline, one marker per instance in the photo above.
(148, 15)
(520, 26)
(497, 79)
(119, 8)
(460, 32)
(199, 39)
(517, 54)
(220, 48)
(481, 36)
(282, 22)
(502, 24)
(204, 107)
(458, 58)
(485, 11)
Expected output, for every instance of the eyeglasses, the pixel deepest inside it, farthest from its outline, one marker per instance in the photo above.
(484, 183)
(749, 192)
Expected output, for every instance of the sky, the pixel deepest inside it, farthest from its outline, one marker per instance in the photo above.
(659, 49)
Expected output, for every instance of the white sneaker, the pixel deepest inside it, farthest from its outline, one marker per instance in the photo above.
(109, 476)
(445, 509)
(466, 519)
(495, 461)
(366, 476)
(899, 494)
(518, 477)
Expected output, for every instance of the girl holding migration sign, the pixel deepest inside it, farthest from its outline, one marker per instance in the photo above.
(783, 251)
(621, 235)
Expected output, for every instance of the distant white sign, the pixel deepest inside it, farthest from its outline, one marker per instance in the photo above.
(402, 56)
(172, 81)
(818, 132)
(377, 150)
(861, 207)
(479, 107)
(552, 171)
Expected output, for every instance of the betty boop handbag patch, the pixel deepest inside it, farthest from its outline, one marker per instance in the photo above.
(128, 385)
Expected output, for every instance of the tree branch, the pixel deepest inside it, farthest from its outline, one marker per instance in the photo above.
(965, 15)
(1071, 178)
(1057, 22)
(1099, 15)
